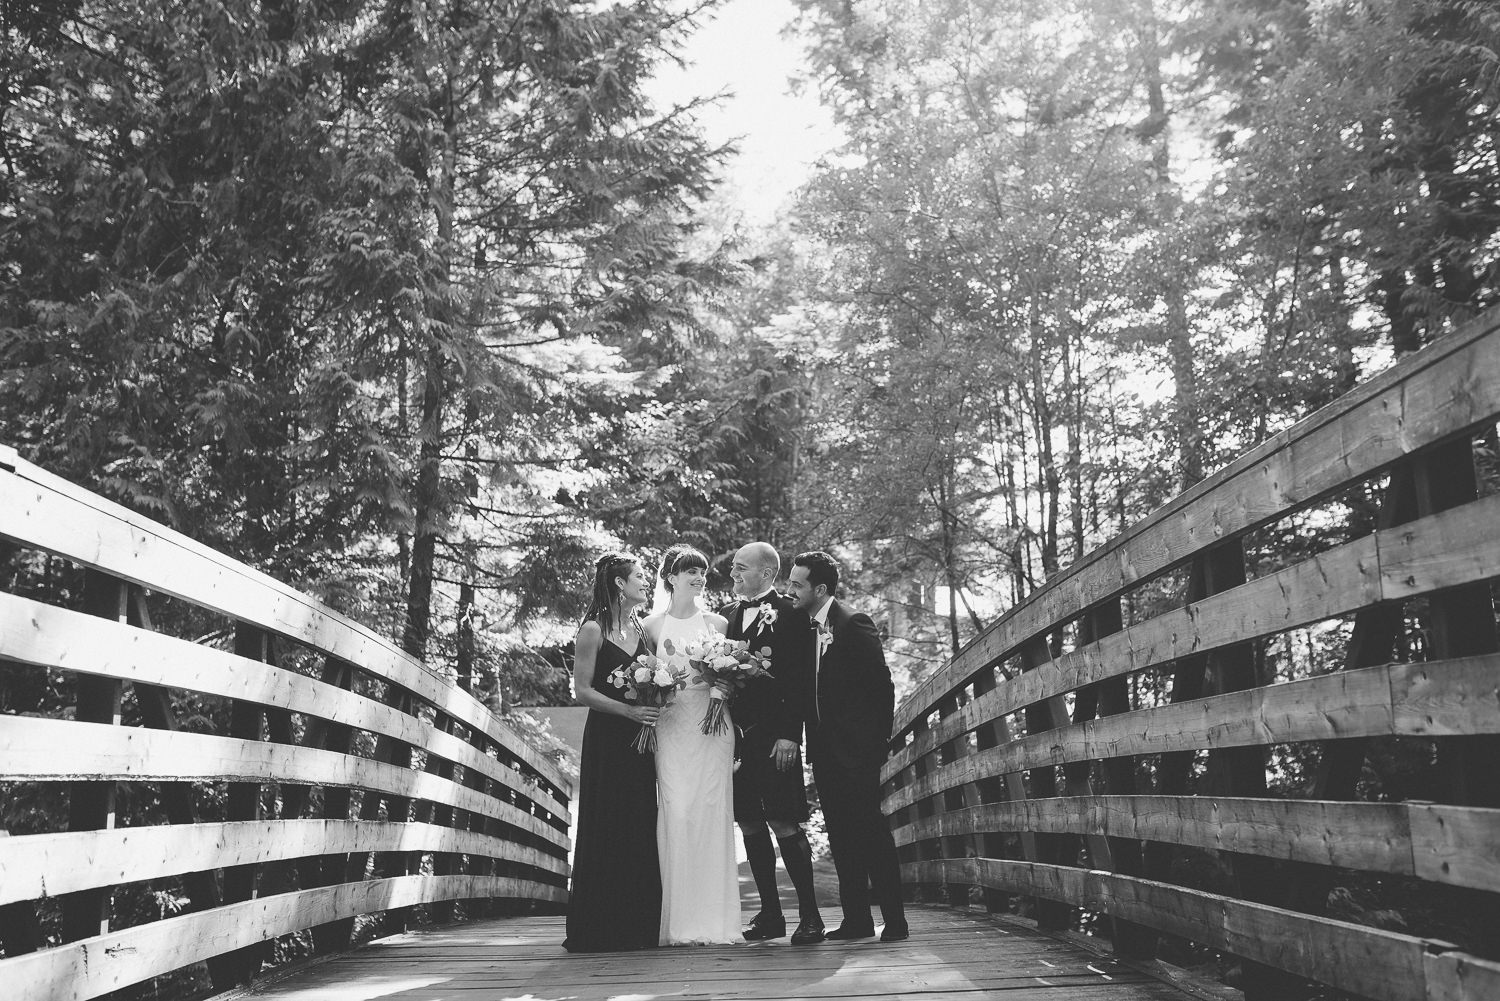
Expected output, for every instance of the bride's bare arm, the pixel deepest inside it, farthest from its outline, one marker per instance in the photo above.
(717, 623)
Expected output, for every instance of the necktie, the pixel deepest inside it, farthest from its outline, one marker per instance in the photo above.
(817, 670)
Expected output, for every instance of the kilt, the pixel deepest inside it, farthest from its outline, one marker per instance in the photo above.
(762, 791)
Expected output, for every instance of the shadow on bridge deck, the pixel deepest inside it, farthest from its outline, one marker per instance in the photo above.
(951, 955)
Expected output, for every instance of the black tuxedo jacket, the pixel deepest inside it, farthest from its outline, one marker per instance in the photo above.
(856, 700)
(773, 707)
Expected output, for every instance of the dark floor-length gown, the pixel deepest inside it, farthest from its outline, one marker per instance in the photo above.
(615, 901)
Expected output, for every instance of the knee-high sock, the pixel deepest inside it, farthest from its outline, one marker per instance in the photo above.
(762, 859)
(796, 855)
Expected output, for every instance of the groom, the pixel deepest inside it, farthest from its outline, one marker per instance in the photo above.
(849, 715)
(769, 796)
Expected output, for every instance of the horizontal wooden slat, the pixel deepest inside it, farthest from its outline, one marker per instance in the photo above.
(1448, 387)
(1330, 584)
(1394, 564)
(35, 633)
(1366, 961)
(49, 865)
(1456, 845)
(109, 962)
(1440, 698)
(1455, 976)
(63, 750)
(42, 511)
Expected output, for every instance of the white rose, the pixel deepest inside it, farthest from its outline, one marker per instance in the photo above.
(663, 677)
(642, 675)
(722, 662)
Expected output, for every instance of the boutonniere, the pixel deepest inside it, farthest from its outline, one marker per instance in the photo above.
(766, 619)
(825, 637)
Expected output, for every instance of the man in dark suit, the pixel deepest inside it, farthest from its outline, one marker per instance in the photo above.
(848, 728)
(769, 795)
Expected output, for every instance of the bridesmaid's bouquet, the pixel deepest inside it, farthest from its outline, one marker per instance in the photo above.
(649, 681)
(724, 665)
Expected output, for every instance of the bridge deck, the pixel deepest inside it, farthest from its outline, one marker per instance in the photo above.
(951, 955)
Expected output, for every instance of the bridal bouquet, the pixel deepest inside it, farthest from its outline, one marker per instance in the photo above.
(649, 681)
(724, 665)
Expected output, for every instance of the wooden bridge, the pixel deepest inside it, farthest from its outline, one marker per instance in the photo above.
(1189, 744)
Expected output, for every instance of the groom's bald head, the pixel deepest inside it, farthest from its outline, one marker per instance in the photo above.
(755, 568)
(760, 555)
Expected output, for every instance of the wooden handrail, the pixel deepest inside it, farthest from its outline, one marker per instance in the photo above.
(46, 512)
(1045, 690)
(1446, 389)
(426, 798)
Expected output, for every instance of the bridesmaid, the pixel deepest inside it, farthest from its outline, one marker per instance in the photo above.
(615, 902)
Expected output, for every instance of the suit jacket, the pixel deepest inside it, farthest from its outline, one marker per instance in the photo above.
(773, 707)
(855, 699)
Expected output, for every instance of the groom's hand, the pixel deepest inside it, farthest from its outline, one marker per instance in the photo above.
(784, 752)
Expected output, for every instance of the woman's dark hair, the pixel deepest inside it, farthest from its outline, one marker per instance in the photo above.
(821, 569)
(608, 569)
(679, 558)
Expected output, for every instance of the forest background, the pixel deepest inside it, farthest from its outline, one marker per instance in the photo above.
(420, 305)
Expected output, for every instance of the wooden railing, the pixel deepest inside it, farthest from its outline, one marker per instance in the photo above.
(1081, 748)
(347, 780)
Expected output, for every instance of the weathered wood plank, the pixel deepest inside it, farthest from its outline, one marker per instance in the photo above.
(1456, 845)
(1370, 836)
(1330, 584)
(46, 636)
(46, 512)
(1434, 699)
(951, 956)
(47, 865)
(1454, 976)
(54, 750)
(1450, 386)
(1453, 547)
(1369, 962)
(1440, 551)
(109, 962)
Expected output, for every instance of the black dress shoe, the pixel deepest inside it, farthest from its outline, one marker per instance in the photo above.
(844, 933)
(895, 933)
(763, 927)
(808, 933)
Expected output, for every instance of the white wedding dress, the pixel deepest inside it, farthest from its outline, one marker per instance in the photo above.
(700, 892)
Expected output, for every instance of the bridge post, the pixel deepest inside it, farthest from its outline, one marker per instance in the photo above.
(1104, 619)
(1056, 849)
(246, 722)
(927, 850)
(1010, 787)
(1461, 623)
(330, 869)
(443, 863)
(1241, 772)
(397, 809)
(155, 704)
(91, 805)
(479, 823)
(956, 799)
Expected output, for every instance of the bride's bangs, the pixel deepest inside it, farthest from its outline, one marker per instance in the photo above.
(690, 560)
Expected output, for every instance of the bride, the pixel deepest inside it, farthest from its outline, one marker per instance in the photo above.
(694, 776)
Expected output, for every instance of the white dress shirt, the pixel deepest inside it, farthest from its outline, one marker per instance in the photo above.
(752, 609)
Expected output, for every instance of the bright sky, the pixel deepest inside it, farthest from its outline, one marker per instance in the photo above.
(741, 51)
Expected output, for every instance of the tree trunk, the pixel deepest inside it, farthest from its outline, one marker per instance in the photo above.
(429, 504)
(1190, 462)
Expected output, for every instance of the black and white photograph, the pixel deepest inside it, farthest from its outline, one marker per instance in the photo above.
(749, 500)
